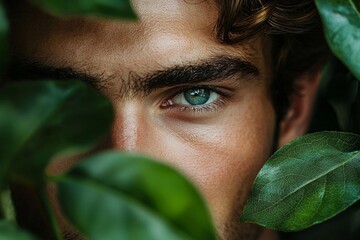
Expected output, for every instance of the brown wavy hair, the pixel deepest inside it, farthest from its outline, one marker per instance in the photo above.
(296, 32)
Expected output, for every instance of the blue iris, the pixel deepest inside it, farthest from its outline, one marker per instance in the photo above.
(197, 96)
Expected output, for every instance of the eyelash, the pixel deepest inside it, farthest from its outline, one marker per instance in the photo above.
(210, 107)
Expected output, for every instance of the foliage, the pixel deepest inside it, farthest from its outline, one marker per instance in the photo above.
(66, 117)
(306, 182)
(338, 100)
(47, 108)
(132, 197)
(129, 196)
(102, 8)
(342, 29)
(299, 201)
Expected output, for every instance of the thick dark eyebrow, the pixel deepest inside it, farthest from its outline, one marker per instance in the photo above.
(216, 68)
(213, 69)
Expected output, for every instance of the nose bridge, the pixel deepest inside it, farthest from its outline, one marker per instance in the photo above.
(129, 126)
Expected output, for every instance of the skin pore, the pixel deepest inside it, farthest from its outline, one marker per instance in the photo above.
(179, 95)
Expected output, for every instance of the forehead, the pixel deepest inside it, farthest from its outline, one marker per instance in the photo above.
(167, 33)
(171, 20)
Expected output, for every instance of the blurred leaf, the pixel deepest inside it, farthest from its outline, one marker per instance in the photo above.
(338, 101)
(342, 93)
(103, 8)
(9, 231)
(306, 182)
(325, 117)
(4, 28)
(342, 30)
(356, 4)
(131, 197)
(41, 119)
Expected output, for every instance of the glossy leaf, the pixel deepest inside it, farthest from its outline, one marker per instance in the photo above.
(342, 30)
(130, 197)
(103, 8)
(4, 28)
(41, 119)
(8, 231)
(306, 182)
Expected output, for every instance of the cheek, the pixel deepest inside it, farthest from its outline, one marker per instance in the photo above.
(223, 156)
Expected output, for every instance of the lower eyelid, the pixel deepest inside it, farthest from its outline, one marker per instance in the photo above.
(211, 107)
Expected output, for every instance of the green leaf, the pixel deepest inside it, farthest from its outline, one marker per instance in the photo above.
(102, 8)
(9, 231)
(342, 30)
(4, 28)
(45, 118)
(306, 182)
(130, 197)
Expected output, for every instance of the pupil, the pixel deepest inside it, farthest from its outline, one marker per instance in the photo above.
(197, 96)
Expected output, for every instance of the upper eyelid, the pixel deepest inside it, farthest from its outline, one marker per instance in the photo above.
(220, 98)
(212, 88)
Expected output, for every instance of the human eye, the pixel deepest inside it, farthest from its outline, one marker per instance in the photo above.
(197, 99)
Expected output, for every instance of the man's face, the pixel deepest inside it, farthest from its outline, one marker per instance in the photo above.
(179, 94)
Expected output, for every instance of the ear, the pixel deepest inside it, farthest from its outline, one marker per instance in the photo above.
(297, 119)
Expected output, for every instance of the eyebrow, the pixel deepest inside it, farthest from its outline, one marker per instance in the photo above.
(213, 69)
